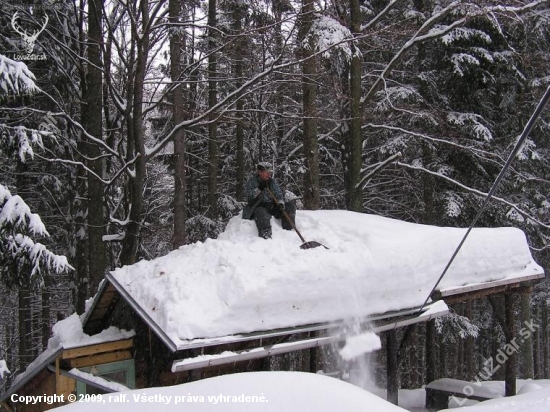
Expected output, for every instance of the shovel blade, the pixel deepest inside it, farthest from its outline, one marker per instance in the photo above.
(312, 244)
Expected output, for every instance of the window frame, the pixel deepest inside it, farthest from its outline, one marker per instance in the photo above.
(106, 368)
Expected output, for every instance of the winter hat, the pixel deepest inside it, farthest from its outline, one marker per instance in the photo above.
(264, 166)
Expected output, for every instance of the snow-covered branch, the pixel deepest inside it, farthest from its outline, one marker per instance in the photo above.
(415, 39)
(3, 369)
(432, 139)
(15, 214)
(373, 169)
(15, 77)
(21, 139)
(19, 254)
(477, 192)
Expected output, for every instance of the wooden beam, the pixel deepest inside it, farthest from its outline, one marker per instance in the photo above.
(392, 367)
(98, 348)
(510, 367)
(100, 359)
(101, 310)
(6, 406)
(57, 374)
(63, 384)
(518, 288)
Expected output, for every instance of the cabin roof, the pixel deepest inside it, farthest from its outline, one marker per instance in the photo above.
(241, 287)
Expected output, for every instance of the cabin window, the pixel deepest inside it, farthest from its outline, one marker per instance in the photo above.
(121, 372)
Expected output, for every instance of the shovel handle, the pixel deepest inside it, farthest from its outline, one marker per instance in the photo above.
(285, 214)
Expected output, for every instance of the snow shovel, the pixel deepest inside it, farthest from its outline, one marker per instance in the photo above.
(306, 245)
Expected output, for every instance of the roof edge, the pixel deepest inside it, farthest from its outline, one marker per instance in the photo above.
(170, 344)
(100, 291)
(432, 311)
(28, 375)
(224, 340)
(474, 287)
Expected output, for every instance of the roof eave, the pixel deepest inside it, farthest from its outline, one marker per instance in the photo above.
(225, 340)
(31, 374)
(497, 286)
(280, 348)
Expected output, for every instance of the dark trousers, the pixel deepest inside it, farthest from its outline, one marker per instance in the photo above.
(264, 211)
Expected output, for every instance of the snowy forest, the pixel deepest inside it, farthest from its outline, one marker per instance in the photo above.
(128, 129)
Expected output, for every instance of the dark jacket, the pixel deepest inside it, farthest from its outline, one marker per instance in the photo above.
(250, 187)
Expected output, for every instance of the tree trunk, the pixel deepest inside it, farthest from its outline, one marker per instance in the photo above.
(544, 341)
(309, 95)
(354, 145)
(428, 183)
(239, 129)
(25, 328)
(176, 43)
(92, 117)
(79, 209)
(212, 100)
(45, 316)
(136, 147)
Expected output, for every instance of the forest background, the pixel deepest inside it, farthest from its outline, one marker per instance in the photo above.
(139, 121)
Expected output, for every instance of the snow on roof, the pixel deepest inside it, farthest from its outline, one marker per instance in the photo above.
(240, 283)
(97, 381)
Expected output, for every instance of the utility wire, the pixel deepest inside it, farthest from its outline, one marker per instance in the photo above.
(505, 168)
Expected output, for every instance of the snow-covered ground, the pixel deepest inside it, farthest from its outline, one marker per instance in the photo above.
(533, 396)
(254, 391)
(241, 283)
(297, 391)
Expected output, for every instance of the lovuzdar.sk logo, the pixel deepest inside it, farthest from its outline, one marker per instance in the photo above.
(29, 38)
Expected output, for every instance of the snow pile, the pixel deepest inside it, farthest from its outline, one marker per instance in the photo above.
(241, 392)
(360, 344)
(68, 333)
(532, 401)
(241, 283)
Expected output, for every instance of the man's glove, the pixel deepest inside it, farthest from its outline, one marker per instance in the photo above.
(281, 205)
(257, 192)
(263, 184)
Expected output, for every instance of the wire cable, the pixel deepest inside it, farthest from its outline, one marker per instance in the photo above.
(500, 176)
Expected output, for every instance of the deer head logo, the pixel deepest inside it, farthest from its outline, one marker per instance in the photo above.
(28, 39)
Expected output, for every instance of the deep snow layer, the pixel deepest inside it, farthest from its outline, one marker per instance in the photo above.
(241, 283)
(253, 391)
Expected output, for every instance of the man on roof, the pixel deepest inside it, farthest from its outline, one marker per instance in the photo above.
(260, 205)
